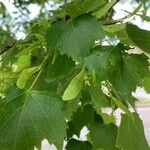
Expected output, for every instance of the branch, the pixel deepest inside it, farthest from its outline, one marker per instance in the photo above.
(15, 43)
(6, 48)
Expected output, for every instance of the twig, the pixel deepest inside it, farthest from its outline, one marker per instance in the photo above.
(6, 48)
(35, 80)
(13, 45)
(110, 22)
(38, 75)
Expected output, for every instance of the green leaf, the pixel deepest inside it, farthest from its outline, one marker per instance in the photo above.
(129, 34)
(124, 79)
(74, 86)
(70, 107)
(114, 28)
(131, 134)
(139, 63)
(25, 75)
(103, 136)
(104, 9)
(79, 7)
(129, 73)
(78, 145)
(23, 62)
(147, 84)
(98, 97)
(122, 106)
(120, 31)
(102, 62)
(30, 48)
(80, 69)
(5, 81)
(74, 38)
(141, 41)
(28, 118)
(84, 116)
(53, 71)
(108, 118)
(85, 95)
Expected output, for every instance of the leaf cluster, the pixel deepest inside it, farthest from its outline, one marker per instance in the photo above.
(59, 79)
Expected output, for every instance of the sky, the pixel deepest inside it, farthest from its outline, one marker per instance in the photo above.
(120, 9)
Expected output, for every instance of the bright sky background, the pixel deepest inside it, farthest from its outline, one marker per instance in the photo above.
(119, 8)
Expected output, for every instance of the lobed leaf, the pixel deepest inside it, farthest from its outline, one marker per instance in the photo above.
(129, 73)
(102, 62)
(74, 38)
(27, 118)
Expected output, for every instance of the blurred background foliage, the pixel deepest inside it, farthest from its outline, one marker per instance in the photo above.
(20, 23)
(17, 23)
(20, 20)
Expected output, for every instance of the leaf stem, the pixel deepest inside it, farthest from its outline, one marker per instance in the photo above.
(117, 100)
(38, 75)
(35, 80)
(110, 22)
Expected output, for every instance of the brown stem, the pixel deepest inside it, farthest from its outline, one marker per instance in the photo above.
(6, 48)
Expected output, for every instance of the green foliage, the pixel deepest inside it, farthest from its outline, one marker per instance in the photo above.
(60, 78)
(23, 62)
(82, 117)
(131, 133)
(97, 134)
(75, 144)
(102, 62)
(129, 34)
(98, 98)
(129, 73)
(5, 81)
(74, 86)
(147, 84)
(70, 34)
(53, 71)
(80, 7)
(104, 9)
(29, 117)
(25, 75)
(141, 41)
